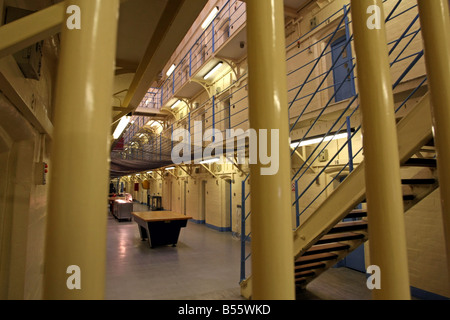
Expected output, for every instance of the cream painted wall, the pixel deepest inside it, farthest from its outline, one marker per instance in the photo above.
(22, 208)
(23, 203)
(426, 251)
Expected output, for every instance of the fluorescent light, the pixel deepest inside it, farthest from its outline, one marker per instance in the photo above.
(214, 160)
(210, 18)
(214, 70)
(319, 140)
(170, 168)
(171, 70)
(150, 172)
(121, 127)
(175, 105)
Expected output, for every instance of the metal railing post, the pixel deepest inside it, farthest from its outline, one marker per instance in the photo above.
(213, 38)
(349, 145)
(297, 205)
(214, 117)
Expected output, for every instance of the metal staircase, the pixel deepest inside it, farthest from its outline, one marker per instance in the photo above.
(324, 239)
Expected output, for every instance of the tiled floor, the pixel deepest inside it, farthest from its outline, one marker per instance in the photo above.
(205, 265)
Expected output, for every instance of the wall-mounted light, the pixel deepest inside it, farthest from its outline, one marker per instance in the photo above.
(213, 160)
(210, 17)
(121, 127)
(176, 104)
(318, 140)
(213, 70)
(171, 70)
(170, 168)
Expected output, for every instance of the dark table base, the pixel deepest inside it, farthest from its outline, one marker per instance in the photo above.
(160, 233)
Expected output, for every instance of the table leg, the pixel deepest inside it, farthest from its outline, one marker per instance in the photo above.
(143, 232)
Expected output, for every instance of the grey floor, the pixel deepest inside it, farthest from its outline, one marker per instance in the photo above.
(204, 266)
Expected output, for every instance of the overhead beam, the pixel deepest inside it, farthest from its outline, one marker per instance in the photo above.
(290, 12)
(33, 110)
(207, 169)
(31, 29)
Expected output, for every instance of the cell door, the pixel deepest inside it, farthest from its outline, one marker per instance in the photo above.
(343, 79)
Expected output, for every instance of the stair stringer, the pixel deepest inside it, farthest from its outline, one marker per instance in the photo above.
(413, 131)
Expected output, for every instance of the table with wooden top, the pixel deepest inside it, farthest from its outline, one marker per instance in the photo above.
(160, 227)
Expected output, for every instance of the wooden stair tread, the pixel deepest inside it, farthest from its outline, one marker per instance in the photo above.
(358, 213)
(305, 274)
(340, 237)
(418, 181)
(299, 281)
(310, 266)
(349, 226)
(316, 258)
(322, 248)
(406, 197)
(421, 162)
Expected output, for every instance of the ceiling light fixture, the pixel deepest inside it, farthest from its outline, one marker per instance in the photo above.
(210, 18)
(318, 140)
(121, 127)
(213, 160)
(213, 70)
(176, 104)
(171, 70)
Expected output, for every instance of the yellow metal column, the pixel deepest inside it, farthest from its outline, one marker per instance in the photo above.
(384, 193)
(272, 236)
(76, 231)
(435, 21)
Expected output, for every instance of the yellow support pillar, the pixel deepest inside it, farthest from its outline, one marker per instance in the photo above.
(435, 21)
(383, 186)
(272, 236)
(76, 231)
